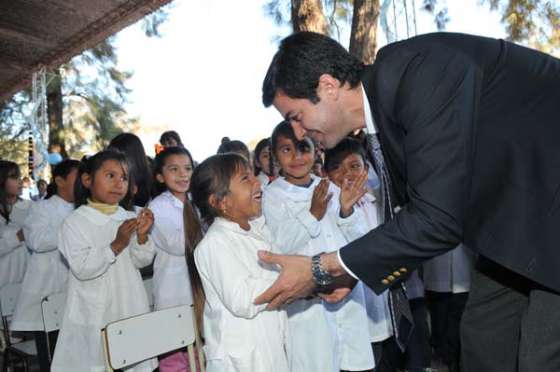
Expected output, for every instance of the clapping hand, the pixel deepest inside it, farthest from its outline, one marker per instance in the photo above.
(320, 199)
(122, 240)
(351, 192)
(144, 222)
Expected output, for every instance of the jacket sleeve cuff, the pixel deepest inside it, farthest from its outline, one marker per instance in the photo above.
(348, 271)
(110, 255)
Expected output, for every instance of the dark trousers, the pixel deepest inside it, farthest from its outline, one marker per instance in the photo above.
(446, 310)
(45, 350)
(417, 356)
(510, 324)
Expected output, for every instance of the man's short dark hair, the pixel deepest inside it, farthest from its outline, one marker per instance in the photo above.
(300, 61)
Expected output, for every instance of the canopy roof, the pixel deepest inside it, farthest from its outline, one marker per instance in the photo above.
(36, 33)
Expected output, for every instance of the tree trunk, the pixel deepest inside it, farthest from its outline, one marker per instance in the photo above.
(54, 113)
(363, 36)
(307, 15)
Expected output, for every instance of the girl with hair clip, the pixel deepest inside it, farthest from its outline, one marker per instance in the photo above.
(173, 169)
(264, 167)
(13, 211)
(225, 271)
(308, 216)
(46, 273)
(105, 246)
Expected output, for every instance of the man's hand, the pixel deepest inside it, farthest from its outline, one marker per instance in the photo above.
(340, 289)
(295, 280)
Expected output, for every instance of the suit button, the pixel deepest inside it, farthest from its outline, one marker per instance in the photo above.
(385, 282)
(391, 278)
(403, 270)
(396, 273)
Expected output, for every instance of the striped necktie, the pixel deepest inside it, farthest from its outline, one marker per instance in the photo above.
(401, 315)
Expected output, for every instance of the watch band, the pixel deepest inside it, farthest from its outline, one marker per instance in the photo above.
(321, 277)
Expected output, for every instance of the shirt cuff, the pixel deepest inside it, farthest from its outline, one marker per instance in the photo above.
(110, 255)
(348, 271)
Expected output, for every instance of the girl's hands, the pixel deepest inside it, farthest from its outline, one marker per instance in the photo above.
(144, 222)
(320, 199)
(124, 233)
(351, 192)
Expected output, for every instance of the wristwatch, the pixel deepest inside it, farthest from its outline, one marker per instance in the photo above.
(321, 277)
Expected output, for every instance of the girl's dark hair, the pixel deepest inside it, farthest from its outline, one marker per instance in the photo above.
(159, 163)
(211, 177)
(8, 169)
(335, 156)
(90, 165)
(235, 146)
(263, 144)
(139, 171)
(284, 129)
(171, 135)
(62, 169)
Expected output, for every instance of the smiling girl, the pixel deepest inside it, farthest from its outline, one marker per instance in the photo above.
(173, 169)
(105, 246)
(240, 336)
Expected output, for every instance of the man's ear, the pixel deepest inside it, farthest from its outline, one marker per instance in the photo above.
(86, 180)
(328, 86)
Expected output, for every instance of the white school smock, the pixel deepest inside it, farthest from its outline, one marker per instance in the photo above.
(322, 336)
(172, 286)
(377, 306)
(47, 272)
(240, 336)
(450, 272)
(13, 253)
(102, 288)
(263, 179)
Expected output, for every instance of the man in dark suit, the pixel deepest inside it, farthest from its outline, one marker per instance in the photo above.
(470, 132)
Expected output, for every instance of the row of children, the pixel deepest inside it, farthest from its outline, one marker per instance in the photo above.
(234, 210)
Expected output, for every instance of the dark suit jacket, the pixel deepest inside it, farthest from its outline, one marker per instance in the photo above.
(470, 129)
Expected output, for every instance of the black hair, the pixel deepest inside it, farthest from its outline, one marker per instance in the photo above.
(285, 129)
(159, 163)
(263, 144)
(300, 61)
(90, 165)
(8, 169)
(336, 155)
(139, 171)
(235, 146)
(212, 177)
(62, 169)
(171, 135)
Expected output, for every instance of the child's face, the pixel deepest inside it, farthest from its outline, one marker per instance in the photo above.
(109, 184)
(264, 160)
(349, 168)
(176, 174)
(13, 185)
(296, 163)
(243, 202)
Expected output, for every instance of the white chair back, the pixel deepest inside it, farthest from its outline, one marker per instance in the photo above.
(132, 340)
(52, 309)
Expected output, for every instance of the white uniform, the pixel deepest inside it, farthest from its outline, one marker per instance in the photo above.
(263, 179)
(450, 272)
(102, 288)
(240, 336)
(47, 272)
(322, 337)
(377, 306)
(13, 253)
(171, 277)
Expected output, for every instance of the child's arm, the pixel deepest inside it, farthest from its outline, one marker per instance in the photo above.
(86, 260)
(223, 270)
(292, 225)
(9, 239)
(166, 235)
(41, 229)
